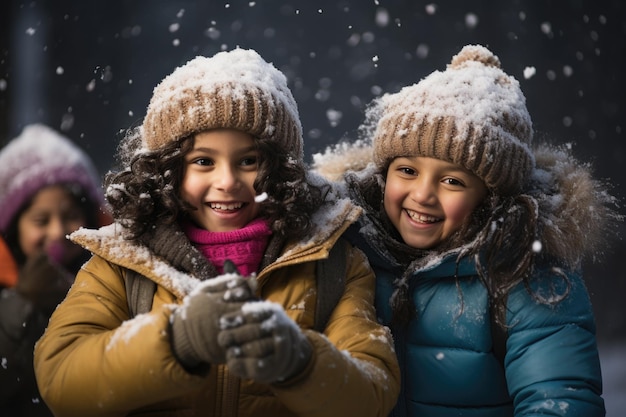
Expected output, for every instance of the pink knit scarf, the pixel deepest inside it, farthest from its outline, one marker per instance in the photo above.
(244, 247)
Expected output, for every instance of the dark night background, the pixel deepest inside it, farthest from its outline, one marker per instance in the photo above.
(87, 68)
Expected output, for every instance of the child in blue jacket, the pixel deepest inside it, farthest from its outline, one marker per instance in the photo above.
(477, 236)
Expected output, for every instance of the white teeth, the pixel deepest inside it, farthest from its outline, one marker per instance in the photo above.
(422, 217)
(231, 206)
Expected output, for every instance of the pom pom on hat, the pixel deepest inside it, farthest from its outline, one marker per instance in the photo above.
(235, 89)
(472, 114)
(37, 158)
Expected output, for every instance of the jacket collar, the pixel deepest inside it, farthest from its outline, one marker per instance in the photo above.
(110, 243)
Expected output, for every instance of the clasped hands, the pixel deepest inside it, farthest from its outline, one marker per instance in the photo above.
(222, 322)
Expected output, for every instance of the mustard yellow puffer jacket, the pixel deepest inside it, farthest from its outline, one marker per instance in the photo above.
(94, 360)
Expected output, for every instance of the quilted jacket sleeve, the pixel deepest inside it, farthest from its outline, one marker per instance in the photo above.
(92, 327)
(552, 361)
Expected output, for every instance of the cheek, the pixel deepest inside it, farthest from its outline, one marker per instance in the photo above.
(249, 178)
(190, 188)
(457, 210)
(31, 238)
(393, 198)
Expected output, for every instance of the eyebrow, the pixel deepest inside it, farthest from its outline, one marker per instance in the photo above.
(213, 150)
(458, 169)
(449, 167)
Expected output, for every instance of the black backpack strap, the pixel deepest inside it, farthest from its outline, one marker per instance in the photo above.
(139, 292)
(331, 280)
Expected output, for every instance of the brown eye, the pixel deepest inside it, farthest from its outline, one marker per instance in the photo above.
(453, 181)
(203, 161)
(407, 171)
(249, 161)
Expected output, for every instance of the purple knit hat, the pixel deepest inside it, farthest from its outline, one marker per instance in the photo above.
(39, 157)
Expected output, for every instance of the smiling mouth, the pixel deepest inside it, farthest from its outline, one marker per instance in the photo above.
(422, 218)
(226, 206)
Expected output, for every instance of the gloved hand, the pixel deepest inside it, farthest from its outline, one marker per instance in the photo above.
(195, 324)
(43, 282)
(263, 343)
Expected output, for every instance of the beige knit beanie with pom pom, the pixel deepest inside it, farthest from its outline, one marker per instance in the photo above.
(472, 114)
(235, 89)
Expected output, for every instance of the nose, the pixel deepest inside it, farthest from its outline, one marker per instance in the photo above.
(423, 191)
(228, 179)
(57, 229)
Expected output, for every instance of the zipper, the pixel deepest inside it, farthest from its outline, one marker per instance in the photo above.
(229, 396)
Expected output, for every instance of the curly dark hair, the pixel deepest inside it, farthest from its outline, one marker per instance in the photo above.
(146, 189)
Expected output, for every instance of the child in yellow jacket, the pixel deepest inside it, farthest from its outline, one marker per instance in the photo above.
(215, 177)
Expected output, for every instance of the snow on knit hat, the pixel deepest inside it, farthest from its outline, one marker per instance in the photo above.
(235, 89)
(472, 114)
(39, 157)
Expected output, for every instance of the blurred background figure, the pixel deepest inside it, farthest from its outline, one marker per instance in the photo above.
(48, 188)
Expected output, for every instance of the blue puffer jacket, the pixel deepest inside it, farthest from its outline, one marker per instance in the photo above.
(447, 359)
(450, 364)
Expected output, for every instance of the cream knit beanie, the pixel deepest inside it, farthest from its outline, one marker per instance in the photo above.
(235, 89)
(472, 114)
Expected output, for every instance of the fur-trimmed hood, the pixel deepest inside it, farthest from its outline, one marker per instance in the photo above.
(576, 213)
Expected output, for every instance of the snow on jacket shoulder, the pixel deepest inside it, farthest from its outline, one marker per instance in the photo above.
(94, 360)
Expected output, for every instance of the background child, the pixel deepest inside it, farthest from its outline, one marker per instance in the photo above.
(476, 237)
(216, 173)
(48, 189)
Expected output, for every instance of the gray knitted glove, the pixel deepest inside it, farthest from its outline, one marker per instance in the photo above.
(263, 343)
(195, 323)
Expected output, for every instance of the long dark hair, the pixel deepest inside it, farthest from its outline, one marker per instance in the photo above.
(146, 189)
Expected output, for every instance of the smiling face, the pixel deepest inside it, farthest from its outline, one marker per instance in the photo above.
(52, 214)
(428, 199)
(219, 179)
